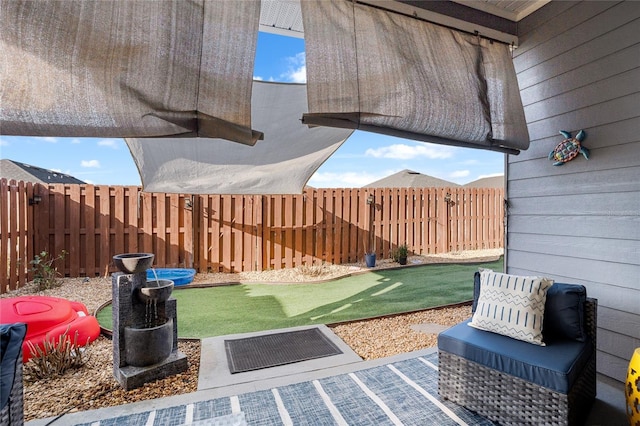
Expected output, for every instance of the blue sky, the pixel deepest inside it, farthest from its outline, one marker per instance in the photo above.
(363, 158)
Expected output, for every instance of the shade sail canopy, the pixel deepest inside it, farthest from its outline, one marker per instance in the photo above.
(380, 71)
(280, 164)
(128, 68)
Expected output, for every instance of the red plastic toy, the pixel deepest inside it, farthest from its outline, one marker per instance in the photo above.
(47, 318)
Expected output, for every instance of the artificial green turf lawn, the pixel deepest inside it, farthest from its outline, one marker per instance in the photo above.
(215, 311)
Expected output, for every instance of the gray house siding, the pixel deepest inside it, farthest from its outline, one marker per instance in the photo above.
(578, 67)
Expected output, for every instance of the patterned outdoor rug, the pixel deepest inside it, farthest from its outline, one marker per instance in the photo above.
(402, 393)
(270, 350)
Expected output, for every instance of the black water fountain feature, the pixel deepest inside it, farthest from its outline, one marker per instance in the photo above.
(145, 328)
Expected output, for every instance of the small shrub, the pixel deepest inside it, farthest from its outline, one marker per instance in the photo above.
(45, 274)
(315, 270)
(55, 358)
(401, 252)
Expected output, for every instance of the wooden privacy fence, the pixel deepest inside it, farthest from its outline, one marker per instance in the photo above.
(234, 233)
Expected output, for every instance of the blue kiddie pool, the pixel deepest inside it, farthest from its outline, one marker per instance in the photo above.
(179, 276)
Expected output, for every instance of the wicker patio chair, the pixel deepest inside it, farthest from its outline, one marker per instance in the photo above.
(510, 400)
(11, 387)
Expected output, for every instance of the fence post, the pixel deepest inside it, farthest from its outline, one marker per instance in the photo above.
(442, 221)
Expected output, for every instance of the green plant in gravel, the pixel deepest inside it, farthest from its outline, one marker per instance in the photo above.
(400, 253)
(45, 273)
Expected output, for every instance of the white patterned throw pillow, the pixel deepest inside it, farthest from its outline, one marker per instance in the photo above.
(511, 305)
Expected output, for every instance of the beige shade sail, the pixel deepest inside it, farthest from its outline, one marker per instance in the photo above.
(128, 68)
(282, 163)
(380, 71)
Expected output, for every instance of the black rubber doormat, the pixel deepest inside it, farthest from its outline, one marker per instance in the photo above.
(255, 353)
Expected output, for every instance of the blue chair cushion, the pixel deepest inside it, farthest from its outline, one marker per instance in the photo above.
(11, 338)
(476, 291)
(564, 312)
(555, 366)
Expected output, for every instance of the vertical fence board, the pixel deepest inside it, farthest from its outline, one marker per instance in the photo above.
(118, 220)
(133, 223)
(103, 246)
(442, 219)
(310, 225)
(226, 233)
(5, 263)
(354, 225)
(216, 233)
(12, 231)
(90, 231)
(469, 212)
(82, 231)
(384, 204)
(188, 207)
(174, 232)
(495, 231)
(402, 217)
(146, 201)
(237, 240)
(320, 226)
(410, 214)
(455, 216)
(298, 226)
(250, 232)
(337, 226)
(200, 232)
(424, 223)
(454, 221)
(24, 231)
(363, 220)
(329, 225)
(395, 215)
(59, 211)
(160, 228)
(74, 230)
(273, 224)
(259, 221)
(473, 221)
(43, 218)
(328, 207)
(287, 231)
(418, 221)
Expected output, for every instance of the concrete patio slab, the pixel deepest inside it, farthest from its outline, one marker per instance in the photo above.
(214, 370)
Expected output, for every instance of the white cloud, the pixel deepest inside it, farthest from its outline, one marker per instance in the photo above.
(76, 141)
(346, 179)
(408, 152)
(49, 139)
(258, 78)
(459, 174)
(90, 164)
(297, 72)
(4, 142)
(111, 143)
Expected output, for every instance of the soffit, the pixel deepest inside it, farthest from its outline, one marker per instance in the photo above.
(514, 10)
(492, 18)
